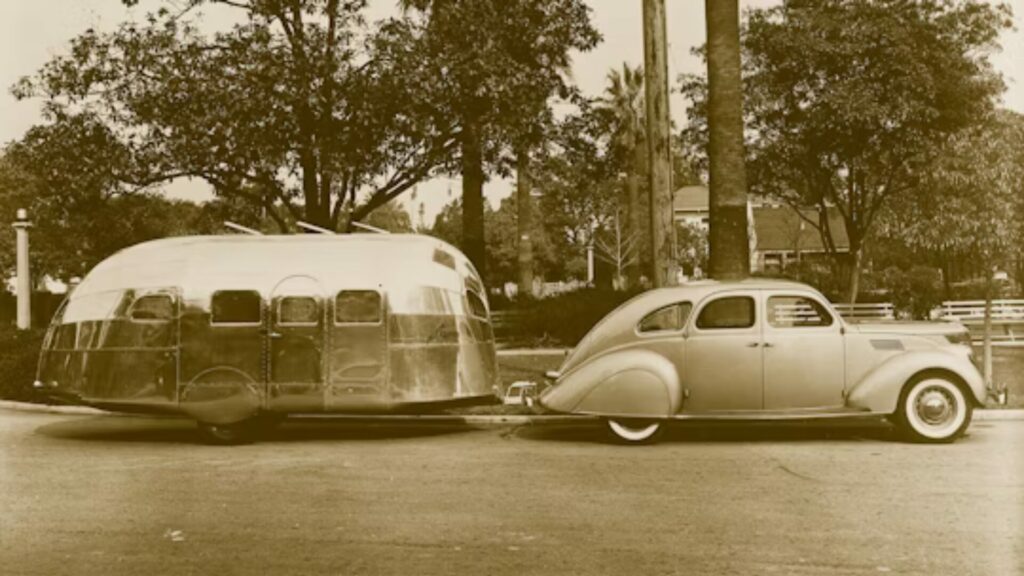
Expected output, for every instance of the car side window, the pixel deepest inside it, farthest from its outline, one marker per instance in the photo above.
(236, 307)
(728, 312)
(797, 312)
(666, 319)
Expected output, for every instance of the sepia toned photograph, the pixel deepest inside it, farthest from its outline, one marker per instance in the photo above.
(512, 287)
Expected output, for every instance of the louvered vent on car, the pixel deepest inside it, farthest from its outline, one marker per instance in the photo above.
(887, 344)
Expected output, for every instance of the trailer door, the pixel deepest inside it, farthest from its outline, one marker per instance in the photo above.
(358, 358)
(296, 343)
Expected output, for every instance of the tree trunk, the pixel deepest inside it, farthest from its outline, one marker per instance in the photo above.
(635, 228)
(524, 223)
(473, 195)
(729, 246)
(854, 287)
(659, 152)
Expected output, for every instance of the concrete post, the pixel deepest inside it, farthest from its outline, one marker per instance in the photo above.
(24, 277)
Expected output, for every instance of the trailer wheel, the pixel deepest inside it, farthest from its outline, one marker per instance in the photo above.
(243, 432)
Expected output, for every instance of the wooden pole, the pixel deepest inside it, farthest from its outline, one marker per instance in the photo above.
(659, 151)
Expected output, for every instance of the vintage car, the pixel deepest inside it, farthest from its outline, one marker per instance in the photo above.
(764, 350)
(238, 330)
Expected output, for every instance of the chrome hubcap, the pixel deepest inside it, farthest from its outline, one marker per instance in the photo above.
(935, 406)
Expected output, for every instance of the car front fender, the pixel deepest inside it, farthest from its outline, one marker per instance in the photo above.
(879, 390)
(627, 383)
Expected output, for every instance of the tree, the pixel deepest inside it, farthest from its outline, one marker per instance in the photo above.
(297, 108)
(624, 100)
(846, 102)
(68, 176)
(501, 62)
(729, 247)
(970, 201)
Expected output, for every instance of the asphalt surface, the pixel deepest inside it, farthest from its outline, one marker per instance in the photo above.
(126, 495)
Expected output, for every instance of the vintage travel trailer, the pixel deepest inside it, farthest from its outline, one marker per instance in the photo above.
(234, 330)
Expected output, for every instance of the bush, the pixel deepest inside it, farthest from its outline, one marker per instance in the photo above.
(19, 357)
(561, 320)
(914, 293)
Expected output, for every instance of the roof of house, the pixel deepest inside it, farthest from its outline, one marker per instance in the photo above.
(782, 229)
(690, 199)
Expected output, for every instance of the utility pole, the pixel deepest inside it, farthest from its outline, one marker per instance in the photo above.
(729, 256)
(24, 277)
(659, 152)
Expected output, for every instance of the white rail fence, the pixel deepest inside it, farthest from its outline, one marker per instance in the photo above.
(1007, 319)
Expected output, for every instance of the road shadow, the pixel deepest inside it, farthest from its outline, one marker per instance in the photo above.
(131, 429)
(725, 432)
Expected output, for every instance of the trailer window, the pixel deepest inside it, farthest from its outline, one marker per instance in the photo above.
(298, 311)
(153, 308)
(476, 305)
(236, 307)
(357, 307)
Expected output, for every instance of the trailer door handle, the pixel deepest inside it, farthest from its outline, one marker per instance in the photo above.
(275, 334)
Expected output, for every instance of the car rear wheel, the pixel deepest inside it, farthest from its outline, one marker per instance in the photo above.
(933, 409)
(630, 431)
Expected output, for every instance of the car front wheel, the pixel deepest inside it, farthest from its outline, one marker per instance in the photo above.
(630, 431)
(933, 409)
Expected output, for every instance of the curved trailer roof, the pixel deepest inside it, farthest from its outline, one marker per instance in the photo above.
(205, 263)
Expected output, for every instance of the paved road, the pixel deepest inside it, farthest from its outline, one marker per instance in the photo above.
(120, 495)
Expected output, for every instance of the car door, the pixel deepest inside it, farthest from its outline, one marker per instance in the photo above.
(804, 363)
(723, 368)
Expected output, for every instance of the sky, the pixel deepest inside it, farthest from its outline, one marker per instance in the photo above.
(33, 31)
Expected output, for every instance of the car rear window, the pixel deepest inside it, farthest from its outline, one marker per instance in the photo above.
(667, 318)
(728, 312)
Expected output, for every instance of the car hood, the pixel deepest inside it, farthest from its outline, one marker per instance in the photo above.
(900, 327)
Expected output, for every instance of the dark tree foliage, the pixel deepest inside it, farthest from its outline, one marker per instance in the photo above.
(298, 108)
(846, 101)
(501, 62)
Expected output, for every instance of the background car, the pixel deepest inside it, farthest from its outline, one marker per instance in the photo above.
(764, 349)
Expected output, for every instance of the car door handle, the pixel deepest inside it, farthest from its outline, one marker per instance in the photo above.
(753, 344)
(769, 345)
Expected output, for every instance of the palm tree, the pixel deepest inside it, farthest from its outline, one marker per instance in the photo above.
(729, 247)
(624, 99)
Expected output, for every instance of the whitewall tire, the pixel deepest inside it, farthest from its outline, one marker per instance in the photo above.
(631, 431)
(932, 408)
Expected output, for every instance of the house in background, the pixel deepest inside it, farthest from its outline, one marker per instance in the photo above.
(779, 236)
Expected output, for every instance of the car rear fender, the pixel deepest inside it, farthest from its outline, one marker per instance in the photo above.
(633, 383)
(879, 390)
